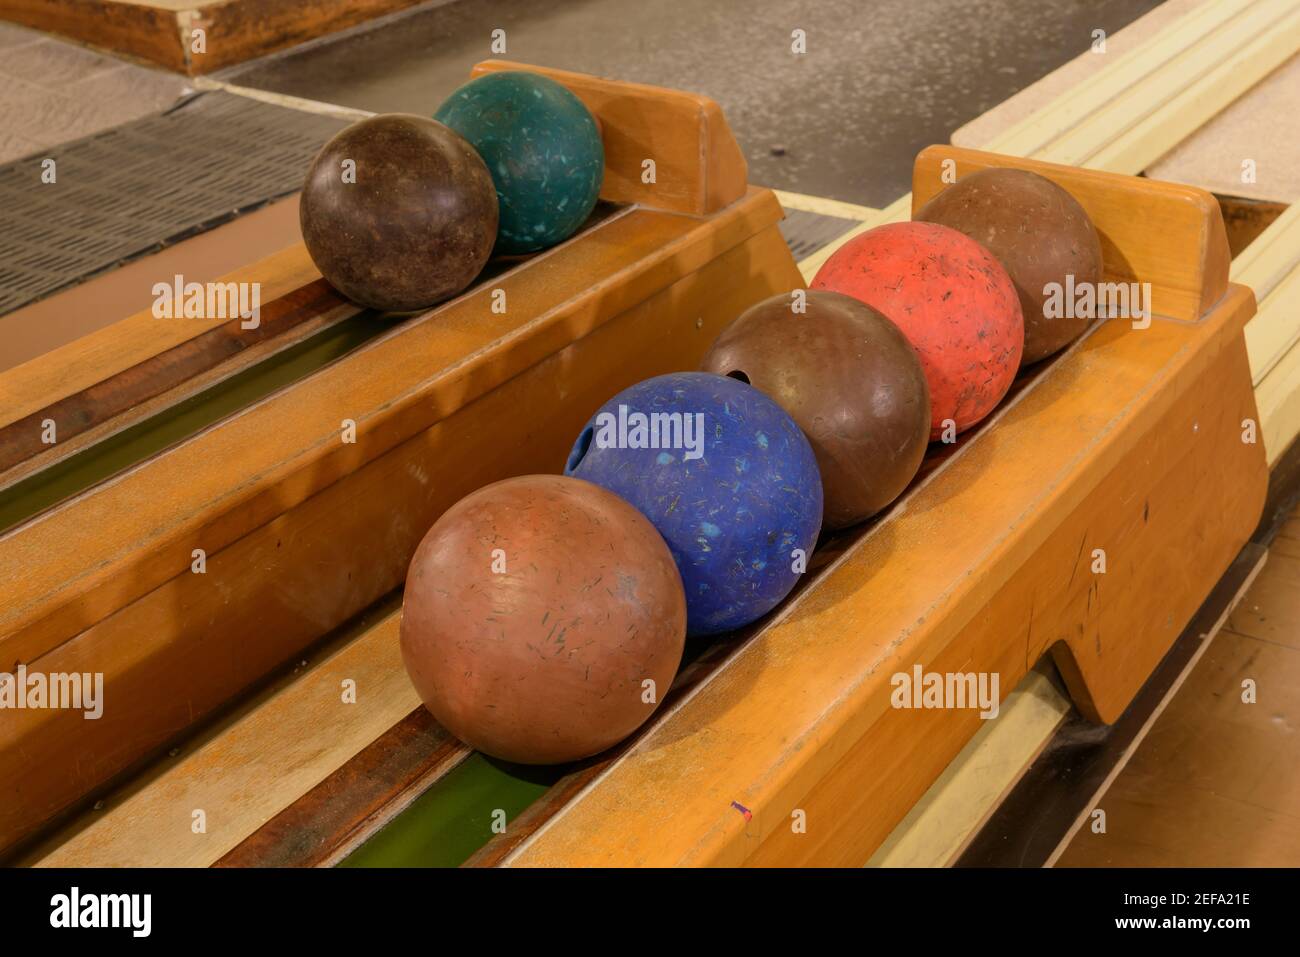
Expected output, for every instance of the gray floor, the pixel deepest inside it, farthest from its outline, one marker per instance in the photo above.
(880, 79)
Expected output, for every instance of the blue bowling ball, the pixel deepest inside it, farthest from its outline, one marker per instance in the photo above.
(727, 478)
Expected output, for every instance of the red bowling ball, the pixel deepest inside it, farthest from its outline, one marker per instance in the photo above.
(953, 301)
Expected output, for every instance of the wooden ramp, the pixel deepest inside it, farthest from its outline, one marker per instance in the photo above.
(195, 36)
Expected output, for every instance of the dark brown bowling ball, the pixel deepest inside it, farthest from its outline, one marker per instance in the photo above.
(852, 382)
(410, 221)
(1039, 233)
(535, 610)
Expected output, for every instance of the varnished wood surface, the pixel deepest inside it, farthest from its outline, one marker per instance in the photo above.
(161, 32)
(780, 729)
(698, 166)
(1216, 781)
(292, 552)
(171, 375)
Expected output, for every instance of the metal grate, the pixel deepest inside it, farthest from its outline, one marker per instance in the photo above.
(131, 190)
(806, 232)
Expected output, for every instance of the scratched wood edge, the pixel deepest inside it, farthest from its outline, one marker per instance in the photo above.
(136, 31)
(1040, 812)
(735, 827)
(109, 350)
(252, 356)
(166, 378)
(236, 30)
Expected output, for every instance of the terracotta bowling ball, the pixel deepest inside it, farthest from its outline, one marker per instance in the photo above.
(410, 222)
(952, 300)
(851, 381)
(535, 608)
(1039, 233)
(543, 148)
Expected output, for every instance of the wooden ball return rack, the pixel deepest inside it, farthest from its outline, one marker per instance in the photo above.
(1136, 444)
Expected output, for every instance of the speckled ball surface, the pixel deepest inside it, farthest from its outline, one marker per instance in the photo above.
(1038, 232)
(727, 478)
(398, 212)
(953, 301)
(535, 610)
(542, 147)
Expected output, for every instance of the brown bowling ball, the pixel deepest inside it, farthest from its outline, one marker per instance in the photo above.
(852, 382)
(1039, 233)
(535, 608)
(412, 224)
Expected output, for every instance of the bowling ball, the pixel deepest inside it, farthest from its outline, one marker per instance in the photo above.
(850, 380)
(952, 300)
(409, 221)
(542, 146)
(1039, 233)
(535, 608)
(726, 477)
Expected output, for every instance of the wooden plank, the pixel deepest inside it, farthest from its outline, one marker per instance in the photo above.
(166, 378)
(825, 206)
(137, 30)
(936, 829)
(1260, 126)
(1275, 355)
(1271, 257)
(1270, 266)
(329, 547)
(241, 778)
(1115, 123)
(778, 729)
(1184, 49)
(1243, 54)
(1072, 76)
(322, 825)
(699, 168)
(94, 358)
(1056, 793)
(47, 324)
(1274, 331)
(161, 32)
(1188, 270)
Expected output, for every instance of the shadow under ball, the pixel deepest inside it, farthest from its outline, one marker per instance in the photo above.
(416, 226)
(851, 381)
(534, 610)
(1039, 233)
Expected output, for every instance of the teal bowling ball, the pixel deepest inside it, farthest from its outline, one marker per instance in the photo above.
(543, 149)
